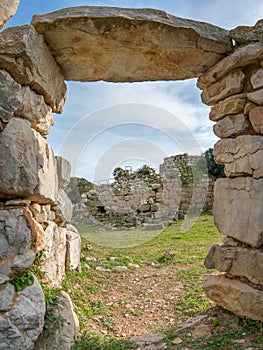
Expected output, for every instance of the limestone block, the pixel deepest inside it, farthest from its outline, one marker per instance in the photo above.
(73, 248)
(24, 54)
(22, 324)
(248, 107)
(241, 57)
(63, 171)
(36, 111)
(63, 209)
(121, 45)
(28, 167)
(24, 103)
(241, 156)
(42, 213)
(257, 79)
(7, 9)
(53, 263)
(256, 119)
(231, 105)
(235, 296)
(232, 125)
(10, 96)
(7, 292)
(245, 34)
(231, 84)
(61, 338)
(256, 97)
(237, 261)
(238, 209)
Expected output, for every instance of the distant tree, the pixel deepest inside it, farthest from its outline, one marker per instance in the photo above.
(207, 164)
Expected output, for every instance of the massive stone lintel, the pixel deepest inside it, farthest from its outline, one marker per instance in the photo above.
(122, 45)
(7, 10)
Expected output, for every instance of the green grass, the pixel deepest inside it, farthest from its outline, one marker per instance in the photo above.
(188, 250)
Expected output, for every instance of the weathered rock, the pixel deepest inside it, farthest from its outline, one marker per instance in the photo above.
(18, 202)
(237, 261)
(238, 209)
(7, 9)
(73, 246)
(53, 263)
(24, 103)
(63, 209)
(245, 34)
(241, 156)
(257, 79)
(15, 235)
(256, 119)
(7, 292)
(63, 337)
(24, 54)
(249, 106)
(116, 44)
(28, 167)
(36, 111)
(21, 326)
(203, 331)
(10, 96)
(241, 57)
(231, 84)
(256, 97)
(235, 296)
(63, 171)
(231, 105)
(232, 125)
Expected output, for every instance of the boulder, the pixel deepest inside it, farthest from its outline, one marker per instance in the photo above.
(53, 260)
(63, 336)
(22, 324)
(238, 209)
(231, 84)
(28, 167)
(63, 209)
(241, 156)
(63, 171)
(231, 105)
(237, 261)
(232, 125)
(257, 79)
(241, 57)
(245, 34)
(256, 97)
(256, 119)
(125, 45)
(25, 56)
(73, 245)
(7, 292)
(235, 296)
(7, 9)
(15, 238)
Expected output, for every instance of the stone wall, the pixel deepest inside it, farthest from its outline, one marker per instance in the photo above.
(180, 188)
(234, 89)
(34, 209)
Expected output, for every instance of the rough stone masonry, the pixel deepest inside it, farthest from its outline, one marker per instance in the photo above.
(121, 45)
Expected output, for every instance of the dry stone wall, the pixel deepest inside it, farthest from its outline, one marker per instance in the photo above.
(34, 209)
(234, 89)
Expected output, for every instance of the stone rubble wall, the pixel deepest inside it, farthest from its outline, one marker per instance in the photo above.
(34, 209)
(134, 202)
(234, 89)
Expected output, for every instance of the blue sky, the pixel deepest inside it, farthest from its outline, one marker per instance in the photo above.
(128, 137)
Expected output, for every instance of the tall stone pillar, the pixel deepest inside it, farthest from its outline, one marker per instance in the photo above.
(234, 89)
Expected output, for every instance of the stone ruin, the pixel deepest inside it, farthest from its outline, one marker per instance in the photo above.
(122, 45)
(152, 201)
